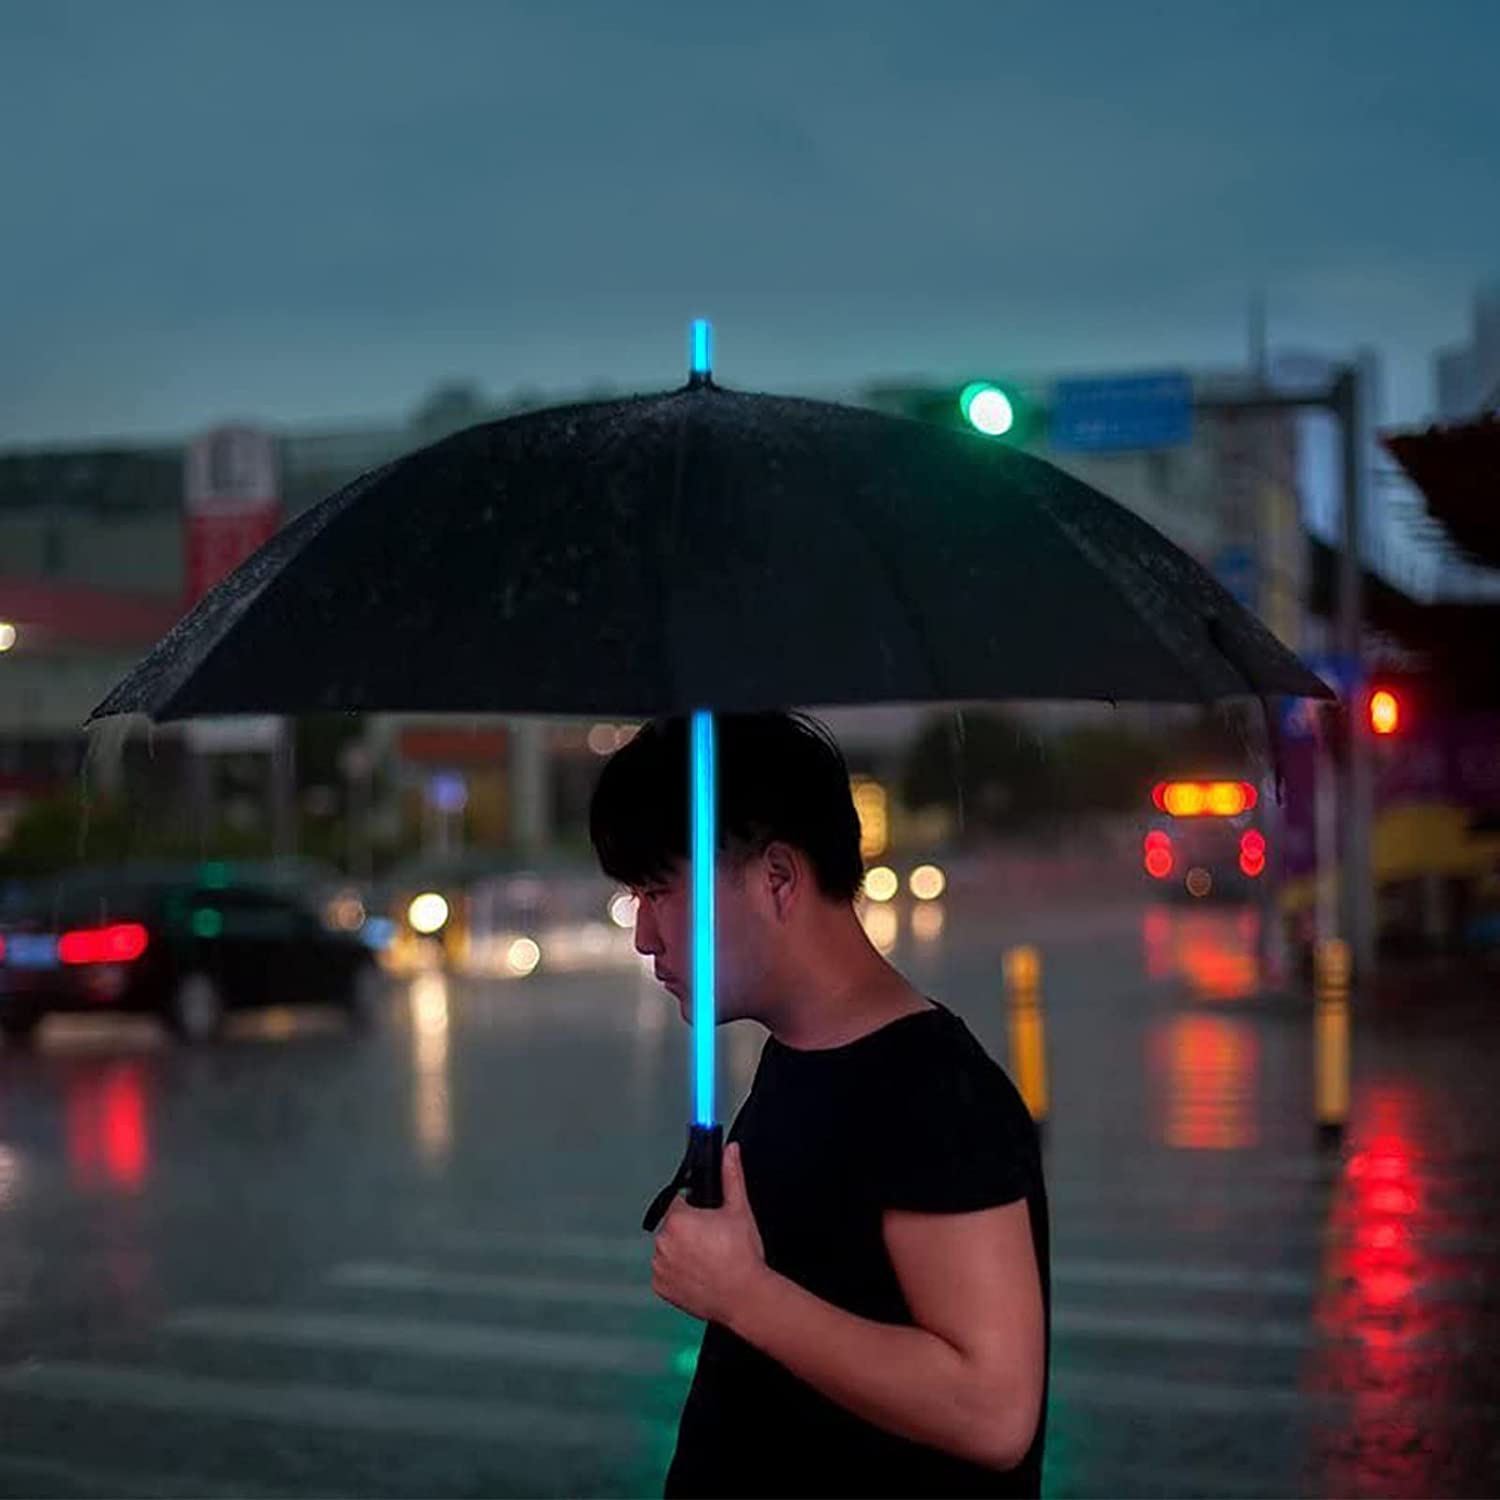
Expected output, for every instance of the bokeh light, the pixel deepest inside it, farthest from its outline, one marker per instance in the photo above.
(427, 913)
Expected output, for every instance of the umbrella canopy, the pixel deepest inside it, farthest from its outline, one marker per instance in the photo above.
(706, 548)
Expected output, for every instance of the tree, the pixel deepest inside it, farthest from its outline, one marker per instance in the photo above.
(992, 772)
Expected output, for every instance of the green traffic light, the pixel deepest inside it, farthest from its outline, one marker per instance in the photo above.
(208, 923)
(987, 409)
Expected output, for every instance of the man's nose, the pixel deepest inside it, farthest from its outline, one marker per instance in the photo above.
(647, 937)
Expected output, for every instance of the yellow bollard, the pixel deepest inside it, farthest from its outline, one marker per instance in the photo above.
(1331, 1036)
(1028, 1036)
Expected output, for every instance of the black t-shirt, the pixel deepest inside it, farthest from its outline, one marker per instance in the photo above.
(914, 1115)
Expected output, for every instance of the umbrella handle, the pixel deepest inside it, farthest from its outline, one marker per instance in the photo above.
(701, 1172)
(705, 1166)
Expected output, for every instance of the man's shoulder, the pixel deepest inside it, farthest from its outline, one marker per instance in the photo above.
(942, 1059)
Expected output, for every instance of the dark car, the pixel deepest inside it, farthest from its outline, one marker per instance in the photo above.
(1206, 839)
(182, 948)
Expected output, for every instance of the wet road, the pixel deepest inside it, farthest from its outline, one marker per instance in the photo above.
(302, 1262)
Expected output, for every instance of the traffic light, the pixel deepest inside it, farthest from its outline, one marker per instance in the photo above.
(1385, 711)
(987, 408)
(999, 409)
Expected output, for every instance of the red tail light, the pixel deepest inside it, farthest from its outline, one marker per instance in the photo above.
(1197, 799)
(120, 943)
(1158, 854)
(1252, 852)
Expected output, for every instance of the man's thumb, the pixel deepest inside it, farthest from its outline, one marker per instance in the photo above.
(734, 1175)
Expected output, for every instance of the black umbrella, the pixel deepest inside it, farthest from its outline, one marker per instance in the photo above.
(708, 550)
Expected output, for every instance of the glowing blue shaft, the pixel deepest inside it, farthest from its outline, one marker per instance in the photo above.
(705, 856)
(701, 352)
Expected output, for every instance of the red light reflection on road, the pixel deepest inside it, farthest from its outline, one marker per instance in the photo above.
(1370, 1312)
(107, 1135)
(1214, 952)
(1156, 940)
(1207, 1074)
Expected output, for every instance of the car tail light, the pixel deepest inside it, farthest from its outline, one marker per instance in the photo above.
(1252, 852)
(2, 948)
(1197, 799)
(1158, 854)
(119, 943)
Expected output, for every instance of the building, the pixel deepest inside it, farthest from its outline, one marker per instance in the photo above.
(1466, 377)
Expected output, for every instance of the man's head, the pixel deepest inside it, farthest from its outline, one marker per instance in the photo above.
(789, 860)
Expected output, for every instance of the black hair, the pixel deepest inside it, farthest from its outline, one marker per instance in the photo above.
(782, 777)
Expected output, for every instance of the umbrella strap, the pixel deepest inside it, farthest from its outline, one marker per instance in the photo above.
(663, 1200)
(700, 1172)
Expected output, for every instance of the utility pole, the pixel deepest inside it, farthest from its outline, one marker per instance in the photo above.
(1355, 791)
(284, 790)
(1356, 885)
(530, 784)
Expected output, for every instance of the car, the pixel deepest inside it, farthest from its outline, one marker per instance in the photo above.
(186, 947)
(1205, 839)
(429, 912)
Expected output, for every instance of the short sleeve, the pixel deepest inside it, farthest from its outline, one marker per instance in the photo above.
(949, 1134)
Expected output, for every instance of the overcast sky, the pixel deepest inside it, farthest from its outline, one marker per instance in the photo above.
(311, 212)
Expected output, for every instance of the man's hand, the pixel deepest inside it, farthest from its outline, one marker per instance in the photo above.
(706, 1258)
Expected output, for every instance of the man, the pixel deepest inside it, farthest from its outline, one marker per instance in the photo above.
(875, 1286)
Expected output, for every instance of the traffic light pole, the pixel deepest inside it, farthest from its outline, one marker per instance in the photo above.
(1357, 885)
(1356, 906)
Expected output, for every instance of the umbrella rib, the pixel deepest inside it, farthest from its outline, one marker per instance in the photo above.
(670, 675)
(898, 592)
(1090, 555)
(231, 597)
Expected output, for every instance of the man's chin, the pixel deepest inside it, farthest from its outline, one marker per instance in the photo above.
(685, 1010)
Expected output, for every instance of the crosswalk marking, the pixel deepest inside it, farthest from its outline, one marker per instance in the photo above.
(1069, 1274)
(20, 1472)
(1198, 1278)
(143, 1387)
(1135, 1391)
(635, 1355)
(1261, 1333)
(618, 1249)
(430, 1338)
(387, 1277)
(406, 1277)
(525, 1276)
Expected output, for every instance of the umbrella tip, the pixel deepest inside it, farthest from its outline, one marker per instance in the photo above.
(700, 353)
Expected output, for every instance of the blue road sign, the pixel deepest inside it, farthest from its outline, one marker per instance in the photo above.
(1238, 569)
(1340, 672)
(1115, 416)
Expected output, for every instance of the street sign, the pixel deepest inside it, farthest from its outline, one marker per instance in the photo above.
(232, 502)
(447, 791)
(1238, 569)
(1122, 414)
(235, 734)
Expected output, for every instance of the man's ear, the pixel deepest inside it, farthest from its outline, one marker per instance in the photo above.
(786, 876)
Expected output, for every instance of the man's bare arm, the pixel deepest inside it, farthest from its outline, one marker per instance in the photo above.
(968, 1378)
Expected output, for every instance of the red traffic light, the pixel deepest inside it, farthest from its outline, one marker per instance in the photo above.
(1385, 711)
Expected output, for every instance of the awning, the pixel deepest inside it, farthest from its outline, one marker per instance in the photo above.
(1457, 469)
